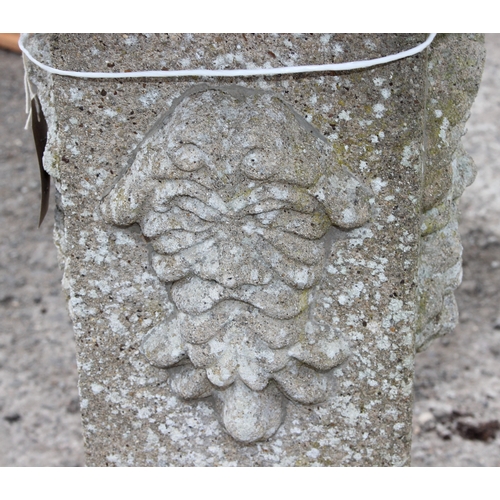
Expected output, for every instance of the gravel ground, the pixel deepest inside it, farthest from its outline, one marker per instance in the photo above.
(457, 386)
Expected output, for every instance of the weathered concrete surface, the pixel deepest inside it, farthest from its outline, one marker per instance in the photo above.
(458, 378)
(373, 132)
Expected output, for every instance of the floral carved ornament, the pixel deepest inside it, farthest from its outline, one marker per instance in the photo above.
(238, 197)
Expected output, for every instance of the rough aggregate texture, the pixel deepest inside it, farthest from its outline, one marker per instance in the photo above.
(115, 296)
(457, 380)
(372, 400)
(313, 453)
(241, 243)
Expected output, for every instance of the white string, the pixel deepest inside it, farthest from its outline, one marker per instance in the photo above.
(29, 94)
(232, 72)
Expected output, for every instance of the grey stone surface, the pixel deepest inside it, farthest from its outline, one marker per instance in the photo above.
(449, 169)
(373, 124)
(240, 241)
(462, 370)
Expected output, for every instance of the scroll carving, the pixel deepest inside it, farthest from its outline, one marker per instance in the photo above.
(238, 197)
(440, 269)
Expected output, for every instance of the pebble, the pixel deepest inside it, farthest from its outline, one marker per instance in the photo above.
(443, 431)
(441, 411)
(426, 421)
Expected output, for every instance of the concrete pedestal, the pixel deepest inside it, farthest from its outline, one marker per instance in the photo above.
(252, 263)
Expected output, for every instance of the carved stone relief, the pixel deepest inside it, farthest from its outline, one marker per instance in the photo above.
(448, 170)
(240, 201)
(440, 269)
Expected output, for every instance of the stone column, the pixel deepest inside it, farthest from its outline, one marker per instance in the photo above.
(252, 263)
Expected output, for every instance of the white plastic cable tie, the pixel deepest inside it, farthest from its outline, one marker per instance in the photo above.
(232, 72)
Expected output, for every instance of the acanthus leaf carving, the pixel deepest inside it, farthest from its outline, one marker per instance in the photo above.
(237, 195)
